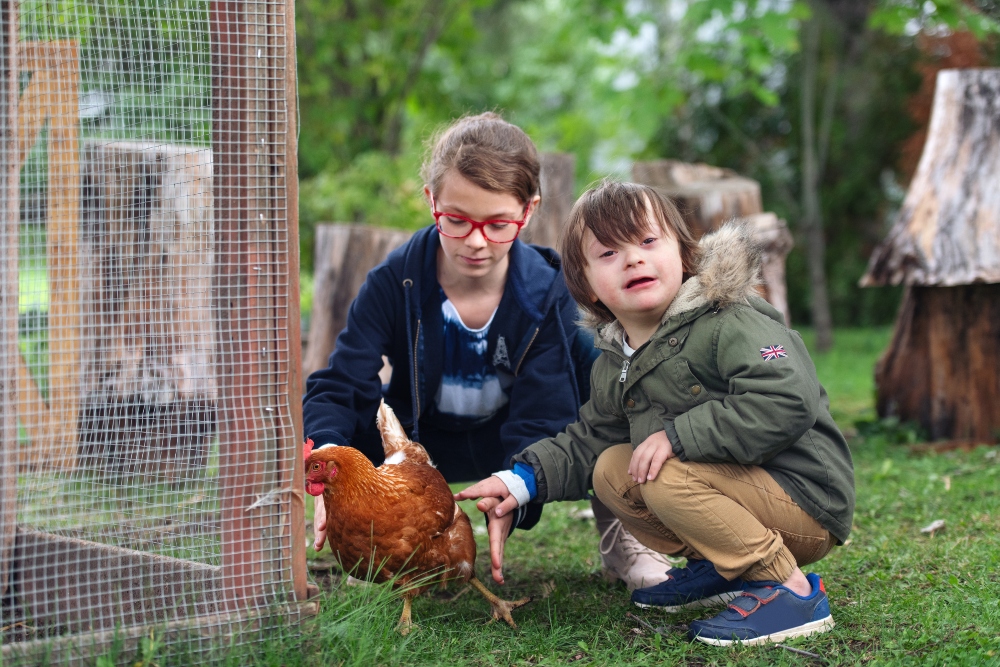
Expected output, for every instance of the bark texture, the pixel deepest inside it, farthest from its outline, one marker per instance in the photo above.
(940, 369)
(344, 256)
(707, 197)
(148, 349)
(948, 229)
(546, 226)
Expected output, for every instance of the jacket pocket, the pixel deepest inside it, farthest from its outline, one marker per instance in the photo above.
(688, 391)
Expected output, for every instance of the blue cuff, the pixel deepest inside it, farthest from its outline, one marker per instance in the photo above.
(527, 475)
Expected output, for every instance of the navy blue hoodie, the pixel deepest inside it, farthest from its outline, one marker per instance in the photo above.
(534, 344)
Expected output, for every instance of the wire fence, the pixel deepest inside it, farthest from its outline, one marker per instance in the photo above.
(148, 346)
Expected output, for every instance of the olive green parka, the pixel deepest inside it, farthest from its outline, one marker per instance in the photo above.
(727, 381)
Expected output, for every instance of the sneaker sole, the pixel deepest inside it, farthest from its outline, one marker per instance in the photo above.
(713, 601)
(811, 628)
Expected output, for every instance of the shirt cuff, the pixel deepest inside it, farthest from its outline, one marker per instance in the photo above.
(527, 473)
(515, 485)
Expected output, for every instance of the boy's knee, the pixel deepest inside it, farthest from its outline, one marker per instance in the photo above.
(611, 470)
(673, 479)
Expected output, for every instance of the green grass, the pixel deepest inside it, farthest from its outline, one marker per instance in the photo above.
(898, 596)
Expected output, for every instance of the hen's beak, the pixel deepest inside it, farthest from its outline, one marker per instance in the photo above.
(389, 426)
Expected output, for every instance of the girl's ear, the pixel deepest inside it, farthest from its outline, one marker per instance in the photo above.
(533, 205)
(427, 194)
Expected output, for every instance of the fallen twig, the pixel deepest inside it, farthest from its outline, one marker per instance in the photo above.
(662, 630)
(800, 651)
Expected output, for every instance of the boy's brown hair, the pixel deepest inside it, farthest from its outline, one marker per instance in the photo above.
(487, 150)
(616, 213)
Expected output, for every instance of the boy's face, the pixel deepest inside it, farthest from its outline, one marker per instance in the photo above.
(638, 281)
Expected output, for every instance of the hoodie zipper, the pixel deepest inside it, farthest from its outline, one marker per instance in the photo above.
(521, 360)
(625, 365)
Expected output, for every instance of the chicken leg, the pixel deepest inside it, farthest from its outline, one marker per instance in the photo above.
(501, 608)
(405, 620)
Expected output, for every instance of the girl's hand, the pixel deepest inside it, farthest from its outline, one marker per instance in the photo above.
(649, 457)
(499, 506)
(319, 522)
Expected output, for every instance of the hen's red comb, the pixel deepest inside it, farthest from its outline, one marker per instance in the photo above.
(307, 449)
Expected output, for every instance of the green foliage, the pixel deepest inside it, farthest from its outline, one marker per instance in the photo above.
(898, 596)
(376, 189)
(146, 62)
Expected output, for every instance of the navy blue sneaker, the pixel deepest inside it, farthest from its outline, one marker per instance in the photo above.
(698, 584)
(767, 612)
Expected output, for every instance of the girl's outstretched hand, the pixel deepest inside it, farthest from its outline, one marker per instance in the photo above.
(499, 505)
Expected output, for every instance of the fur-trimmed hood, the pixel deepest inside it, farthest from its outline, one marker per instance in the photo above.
(728, 273)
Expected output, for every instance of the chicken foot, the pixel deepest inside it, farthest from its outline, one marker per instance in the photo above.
(501, 608)
(405, 620)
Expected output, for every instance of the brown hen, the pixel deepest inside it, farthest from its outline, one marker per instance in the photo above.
(398, 521)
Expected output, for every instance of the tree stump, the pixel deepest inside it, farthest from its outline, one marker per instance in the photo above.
(344, 256)
(548, 222)
(149, 390)
(708, 196)
(942, 366)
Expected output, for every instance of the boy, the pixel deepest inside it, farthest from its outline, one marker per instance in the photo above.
(730, 456)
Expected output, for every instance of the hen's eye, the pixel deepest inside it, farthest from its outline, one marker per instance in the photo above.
(315, 466)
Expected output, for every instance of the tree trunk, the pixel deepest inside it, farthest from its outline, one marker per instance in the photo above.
(940, 369)
(709, 196)
(812, 220)
(149, 390)
(706, 196)
(548, 222)
(344, 256)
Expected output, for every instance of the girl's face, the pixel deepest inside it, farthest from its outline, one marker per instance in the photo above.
(638, 281)
(474, 257)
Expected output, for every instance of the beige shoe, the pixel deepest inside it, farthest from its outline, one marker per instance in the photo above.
(623, 558)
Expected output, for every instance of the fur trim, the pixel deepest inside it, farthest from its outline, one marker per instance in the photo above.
(729, 270)
(728, 273)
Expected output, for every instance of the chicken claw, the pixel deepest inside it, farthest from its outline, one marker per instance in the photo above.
(501, 608)
(405, 620)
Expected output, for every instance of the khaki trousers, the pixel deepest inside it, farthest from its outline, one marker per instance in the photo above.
(735, 516)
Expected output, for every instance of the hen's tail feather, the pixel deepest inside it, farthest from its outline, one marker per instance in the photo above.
(395, 444)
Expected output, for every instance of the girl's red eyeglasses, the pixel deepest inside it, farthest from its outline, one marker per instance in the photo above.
(457, 226)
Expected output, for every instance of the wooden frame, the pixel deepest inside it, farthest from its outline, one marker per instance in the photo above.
(53, 95)
(251, 196)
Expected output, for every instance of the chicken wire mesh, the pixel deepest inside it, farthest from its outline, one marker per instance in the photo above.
(147, 288)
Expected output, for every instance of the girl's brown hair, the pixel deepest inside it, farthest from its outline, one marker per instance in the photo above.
(616, 214)
(487, 150)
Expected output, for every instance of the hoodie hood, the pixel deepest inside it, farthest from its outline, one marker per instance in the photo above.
(728, 273)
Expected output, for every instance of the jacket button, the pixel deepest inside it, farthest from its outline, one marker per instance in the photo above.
(696, 389)
(630, 403)
(672, 341)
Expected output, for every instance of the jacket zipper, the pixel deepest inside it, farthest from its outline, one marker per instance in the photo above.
(416, 376)
(521, 360)
(621, 378)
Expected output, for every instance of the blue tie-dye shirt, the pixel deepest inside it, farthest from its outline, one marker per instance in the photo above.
(470, 387)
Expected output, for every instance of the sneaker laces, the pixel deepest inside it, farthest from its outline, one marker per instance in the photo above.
(616, 533)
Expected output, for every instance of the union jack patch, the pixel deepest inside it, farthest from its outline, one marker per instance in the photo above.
(773, 352)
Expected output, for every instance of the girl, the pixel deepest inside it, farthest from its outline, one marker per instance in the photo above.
(479, 328)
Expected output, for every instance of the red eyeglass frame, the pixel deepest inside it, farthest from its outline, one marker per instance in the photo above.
(476, 224)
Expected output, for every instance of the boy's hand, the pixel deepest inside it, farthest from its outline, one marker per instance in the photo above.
(649, 457)
(499, 506)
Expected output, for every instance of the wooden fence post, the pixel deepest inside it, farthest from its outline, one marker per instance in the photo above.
(10, 216)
